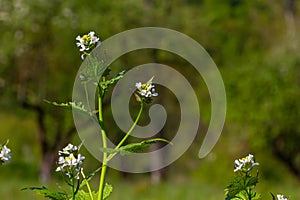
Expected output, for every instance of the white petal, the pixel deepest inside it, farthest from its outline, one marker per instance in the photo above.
(138, 85)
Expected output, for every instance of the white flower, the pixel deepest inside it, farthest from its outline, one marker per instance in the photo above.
(5, 154)
(245, 164)
(70, 161)
(87, 43)
(94, 39)
(146, 90)
(70, 148)
(281, 197)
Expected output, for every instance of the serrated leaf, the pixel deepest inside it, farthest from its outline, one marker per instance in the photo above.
(77, 106)
(82, 195)
(251, 181)
(236, 185)
(93, 69)
(107, 191)
(133, 147)
(105, 84)
(48, 193)
(138, 147)
(69, 105)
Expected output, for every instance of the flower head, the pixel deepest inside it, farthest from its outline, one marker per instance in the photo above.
(146, 90)
(70, 161)
(5, 154)
(87, 43)
(70, 148)
(281, 197)
(245, 164)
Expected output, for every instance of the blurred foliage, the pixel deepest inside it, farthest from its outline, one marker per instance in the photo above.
(253, 43)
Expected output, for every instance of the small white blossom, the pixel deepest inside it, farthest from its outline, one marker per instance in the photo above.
(5, 154)
(87, 43)
(70, 148)
(245, 164)
(70, 161)
(281, 197)
(146, 90)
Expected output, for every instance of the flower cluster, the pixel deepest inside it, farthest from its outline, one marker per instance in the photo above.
(146, 90)
(87, 43)
(5, 154)
(245, 164)
(70, 161)
(281, 197)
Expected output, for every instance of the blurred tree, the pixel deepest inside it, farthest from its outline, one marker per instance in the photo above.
(264, 92)
(29, 63)
(241, 36)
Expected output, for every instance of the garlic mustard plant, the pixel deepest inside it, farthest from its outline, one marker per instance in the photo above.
(242, 186)
(243, 183)
(70, 160)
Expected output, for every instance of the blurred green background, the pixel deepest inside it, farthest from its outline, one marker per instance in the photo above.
(255, 45)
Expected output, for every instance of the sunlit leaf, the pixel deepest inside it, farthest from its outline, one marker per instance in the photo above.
(107, 190)
(138, 147)
(237, 187)
(105, 84)
(133, 147)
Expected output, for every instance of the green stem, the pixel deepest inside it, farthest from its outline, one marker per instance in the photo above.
(73, 189)
(128, 133)
(88, 186)
(104, 160)
(87, 96)
(248, 190)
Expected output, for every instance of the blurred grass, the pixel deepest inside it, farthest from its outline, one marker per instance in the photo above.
(141, 188)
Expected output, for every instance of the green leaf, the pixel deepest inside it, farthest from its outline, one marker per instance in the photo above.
(105, 84)
(251, 181)
(133, 147)
(239, 184)
(241, 195)
(69, 105)
(48, 193)
(82, 195)
(107, 190)
(77, 106)
(138, 147)
(93, 69)
(236, 185)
